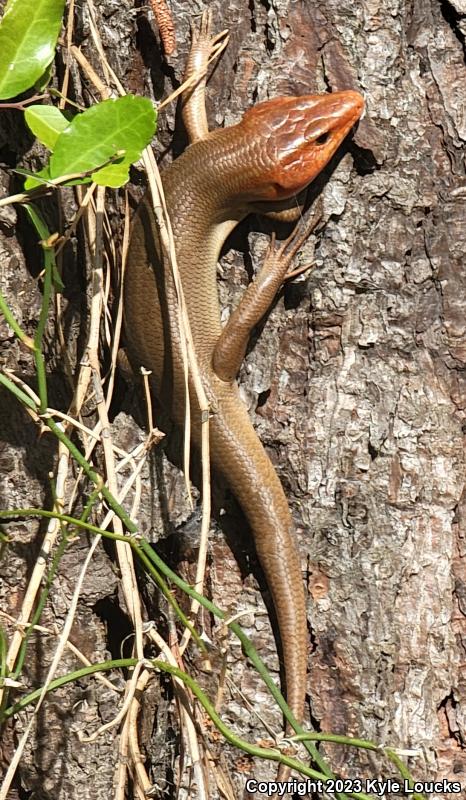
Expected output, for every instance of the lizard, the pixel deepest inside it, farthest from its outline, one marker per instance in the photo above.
(258, 165)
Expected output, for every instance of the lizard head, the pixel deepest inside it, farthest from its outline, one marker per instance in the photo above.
(293, 138)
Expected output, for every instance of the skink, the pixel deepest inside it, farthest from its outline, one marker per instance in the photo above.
(276, 150)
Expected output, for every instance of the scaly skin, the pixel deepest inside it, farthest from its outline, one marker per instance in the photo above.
(271, 155)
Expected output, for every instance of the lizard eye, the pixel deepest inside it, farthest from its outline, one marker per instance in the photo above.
(323, 138)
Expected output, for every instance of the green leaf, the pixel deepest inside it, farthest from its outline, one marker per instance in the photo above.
(28, 35)
(94, 137)
(47, 123)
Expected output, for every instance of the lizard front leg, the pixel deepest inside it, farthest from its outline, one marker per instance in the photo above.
(231, 345)
(204, 47)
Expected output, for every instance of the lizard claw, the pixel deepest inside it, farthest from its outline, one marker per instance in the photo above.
(202, 36)
(287, 250)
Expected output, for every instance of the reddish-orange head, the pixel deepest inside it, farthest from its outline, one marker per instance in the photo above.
(301, 136)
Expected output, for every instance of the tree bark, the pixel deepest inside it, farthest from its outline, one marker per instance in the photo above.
(356, 385)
